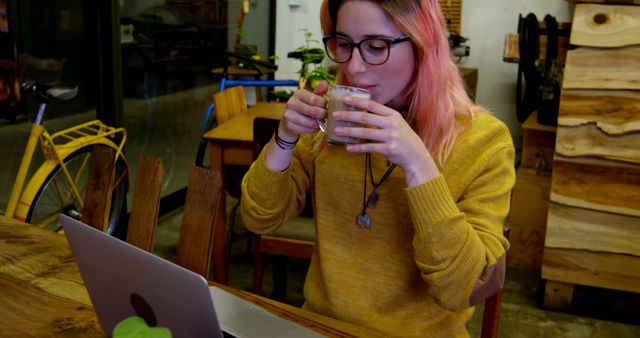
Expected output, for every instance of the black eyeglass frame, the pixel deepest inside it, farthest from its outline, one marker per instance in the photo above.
(389, 42)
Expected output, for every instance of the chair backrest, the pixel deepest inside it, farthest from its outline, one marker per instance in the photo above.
(491, 314)
(143, 218)
(263, 129)
(229, 103)
(293, 239)
(97, 200)
(200, 240)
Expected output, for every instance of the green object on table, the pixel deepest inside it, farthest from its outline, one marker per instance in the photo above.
(136, 327)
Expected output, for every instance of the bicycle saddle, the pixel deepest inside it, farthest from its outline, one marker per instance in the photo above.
(50, 91)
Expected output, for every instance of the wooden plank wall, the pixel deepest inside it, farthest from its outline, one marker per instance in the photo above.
(452, 10)
(626, 2)
(593, 223)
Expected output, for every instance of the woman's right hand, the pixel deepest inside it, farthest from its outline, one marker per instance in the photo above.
(303, 108)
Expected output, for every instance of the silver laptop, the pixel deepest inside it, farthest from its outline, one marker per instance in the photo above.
(125, 281)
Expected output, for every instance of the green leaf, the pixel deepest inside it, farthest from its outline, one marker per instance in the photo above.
(136, 327)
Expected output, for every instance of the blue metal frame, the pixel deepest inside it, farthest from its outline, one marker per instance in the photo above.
(225, 83)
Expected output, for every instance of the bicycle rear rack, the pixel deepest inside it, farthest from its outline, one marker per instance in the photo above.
(86, 133)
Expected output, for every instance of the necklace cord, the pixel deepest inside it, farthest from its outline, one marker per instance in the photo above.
(364, 196)
(368, 169)
(384, 177)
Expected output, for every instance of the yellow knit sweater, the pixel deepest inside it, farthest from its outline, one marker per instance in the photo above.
(411, 273)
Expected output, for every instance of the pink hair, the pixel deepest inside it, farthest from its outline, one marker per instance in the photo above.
(439, 108)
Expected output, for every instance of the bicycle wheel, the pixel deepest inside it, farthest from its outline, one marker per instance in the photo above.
(55, 195)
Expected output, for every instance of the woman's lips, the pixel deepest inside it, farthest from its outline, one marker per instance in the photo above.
(367, 87)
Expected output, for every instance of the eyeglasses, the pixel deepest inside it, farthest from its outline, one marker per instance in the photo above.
(374, 51)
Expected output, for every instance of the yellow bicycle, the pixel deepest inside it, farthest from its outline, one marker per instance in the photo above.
(58, 185)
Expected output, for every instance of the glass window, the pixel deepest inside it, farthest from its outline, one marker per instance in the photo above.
(168, 51)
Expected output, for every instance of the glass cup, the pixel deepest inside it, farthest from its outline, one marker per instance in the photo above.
(337, 94)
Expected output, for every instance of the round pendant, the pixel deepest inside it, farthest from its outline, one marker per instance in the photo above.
(364, 221)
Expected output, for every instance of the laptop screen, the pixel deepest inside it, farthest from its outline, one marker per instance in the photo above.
(123, 281)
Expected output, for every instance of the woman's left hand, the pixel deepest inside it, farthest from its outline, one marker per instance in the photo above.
(384, 131)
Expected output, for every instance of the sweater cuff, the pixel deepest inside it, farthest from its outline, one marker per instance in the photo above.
(264, 183)
(430, 203)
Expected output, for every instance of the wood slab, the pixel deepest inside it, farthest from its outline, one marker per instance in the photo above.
(97, 201)
(452, 10)
(598, 185)
(606, 270)
(143, 219)
(602, 68)
(197, 231)
(626, 2)
(526, 246)
(614, 112)
(578, 228)
(589, 140)
(605, 26)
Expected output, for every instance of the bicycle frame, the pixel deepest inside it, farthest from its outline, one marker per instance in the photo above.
(56, 147)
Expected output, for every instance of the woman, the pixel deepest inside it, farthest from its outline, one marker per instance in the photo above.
(409, 221)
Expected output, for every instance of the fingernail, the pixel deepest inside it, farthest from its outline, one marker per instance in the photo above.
(348, 99)
(337, 114)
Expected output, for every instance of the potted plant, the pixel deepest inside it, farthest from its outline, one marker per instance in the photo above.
(311, 71)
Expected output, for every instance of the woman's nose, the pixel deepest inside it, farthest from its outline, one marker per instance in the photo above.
(357, 63)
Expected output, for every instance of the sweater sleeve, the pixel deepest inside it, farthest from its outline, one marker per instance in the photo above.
(459, 246)
(269, 198)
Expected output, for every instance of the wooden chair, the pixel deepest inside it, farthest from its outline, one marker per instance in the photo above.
(491, 314)
(296, 238)
(97, 199)
(200, 241)
(229, 103)
(143, 217)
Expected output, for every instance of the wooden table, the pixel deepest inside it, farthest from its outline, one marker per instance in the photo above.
(42, 293)
(232, 141)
